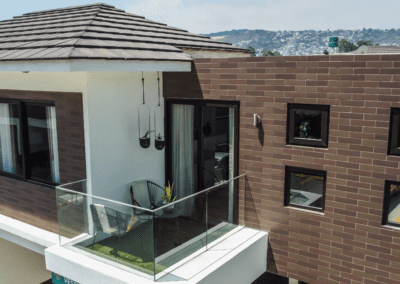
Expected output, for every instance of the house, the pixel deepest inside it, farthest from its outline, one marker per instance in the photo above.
(285, 169)
(81, 102)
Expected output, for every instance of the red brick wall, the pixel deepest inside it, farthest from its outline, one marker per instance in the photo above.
(346, 244)
(33, 204)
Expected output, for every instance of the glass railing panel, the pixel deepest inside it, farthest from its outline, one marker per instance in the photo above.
(72, 214)
(111, 232)
(180, 232)
(151, 243)
(222, 211)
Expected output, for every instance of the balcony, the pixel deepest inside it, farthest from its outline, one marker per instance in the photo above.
(191, 239)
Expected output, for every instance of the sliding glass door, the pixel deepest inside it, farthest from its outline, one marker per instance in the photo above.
(202, 148)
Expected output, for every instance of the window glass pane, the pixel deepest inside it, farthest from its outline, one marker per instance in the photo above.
(306, 190)
(394, 204)
(10, 143)
(308, 124)
(43, 150)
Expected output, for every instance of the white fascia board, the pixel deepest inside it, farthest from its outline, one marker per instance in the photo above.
(26, 235)
(95, 66)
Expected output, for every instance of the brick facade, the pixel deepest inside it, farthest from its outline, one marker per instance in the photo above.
(33, 204)
(347, 243)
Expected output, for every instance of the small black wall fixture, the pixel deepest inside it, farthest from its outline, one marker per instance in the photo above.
(159, 122)
(144, 122)
(207, 129)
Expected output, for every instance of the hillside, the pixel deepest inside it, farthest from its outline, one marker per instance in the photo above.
(303, 42)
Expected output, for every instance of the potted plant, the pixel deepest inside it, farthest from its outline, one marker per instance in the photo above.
(159, 142)
(167, 198)
(145, 140)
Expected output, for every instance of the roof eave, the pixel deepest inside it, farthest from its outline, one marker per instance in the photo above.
(96, 65)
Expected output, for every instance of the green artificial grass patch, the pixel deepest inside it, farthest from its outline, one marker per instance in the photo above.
(137, 262)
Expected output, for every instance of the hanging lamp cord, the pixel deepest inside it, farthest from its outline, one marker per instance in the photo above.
(143, 86)
(158, 79)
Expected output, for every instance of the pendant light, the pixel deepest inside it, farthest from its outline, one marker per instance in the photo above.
(159, 122)
(144, 122)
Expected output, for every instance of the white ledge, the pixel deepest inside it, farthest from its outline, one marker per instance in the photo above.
(94, 66)
(224, 263)
(26, 235)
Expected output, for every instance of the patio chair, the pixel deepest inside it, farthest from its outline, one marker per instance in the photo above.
(110, 221)
(145, 194)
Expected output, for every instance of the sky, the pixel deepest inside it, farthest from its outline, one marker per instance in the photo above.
(208, 16)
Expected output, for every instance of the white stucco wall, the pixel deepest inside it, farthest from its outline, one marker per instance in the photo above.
(22, 265)
(44, 81)
(116, 157)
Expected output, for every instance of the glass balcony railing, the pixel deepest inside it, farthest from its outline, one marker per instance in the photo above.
(149, 243)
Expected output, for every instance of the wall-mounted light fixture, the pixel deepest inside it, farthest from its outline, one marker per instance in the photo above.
(256, 120)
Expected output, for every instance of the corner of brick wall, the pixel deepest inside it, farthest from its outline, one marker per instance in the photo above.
(346, 244)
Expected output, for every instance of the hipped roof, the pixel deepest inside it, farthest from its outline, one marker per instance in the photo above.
(97, 31)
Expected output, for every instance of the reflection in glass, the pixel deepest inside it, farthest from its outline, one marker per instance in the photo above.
(306, 190)
(217, 151)
(308, 124)
(394, 204)
(180, 232)
(10, 142)
(43, 147)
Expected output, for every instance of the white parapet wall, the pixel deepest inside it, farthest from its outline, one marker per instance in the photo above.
(239, 258)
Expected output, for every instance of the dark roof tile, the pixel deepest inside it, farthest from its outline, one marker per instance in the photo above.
(97, 31)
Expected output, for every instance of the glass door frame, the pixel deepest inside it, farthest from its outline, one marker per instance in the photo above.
(199, 103)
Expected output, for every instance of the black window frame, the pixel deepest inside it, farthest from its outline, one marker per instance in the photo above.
(290, 125)
(288, 171)
(386, 203)
(394, 132)
(25, 142)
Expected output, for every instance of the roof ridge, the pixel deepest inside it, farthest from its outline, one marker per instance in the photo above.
(84, 30)
(68, 8)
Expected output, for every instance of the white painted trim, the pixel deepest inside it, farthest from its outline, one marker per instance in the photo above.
(95, 65)
(26, 235)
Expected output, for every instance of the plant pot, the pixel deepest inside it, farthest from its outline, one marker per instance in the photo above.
(144, 142)
(159, 144)
(169, 209)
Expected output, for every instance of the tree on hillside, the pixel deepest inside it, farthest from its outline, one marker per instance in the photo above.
(363, 42)
(253, 50)
(346, 46)
(270, 53)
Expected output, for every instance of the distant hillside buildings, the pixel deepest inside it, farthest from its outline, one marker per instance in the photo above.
(304, 42)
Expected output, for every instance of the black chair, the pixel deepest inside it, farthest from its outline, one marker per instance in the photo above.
(111, 221)
(145, 194)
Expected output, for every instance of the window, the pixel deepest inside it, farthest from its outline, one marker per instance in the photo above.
(305, 188)
(307, 125)
(394, 132)
(28, 141)
(391, 204)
